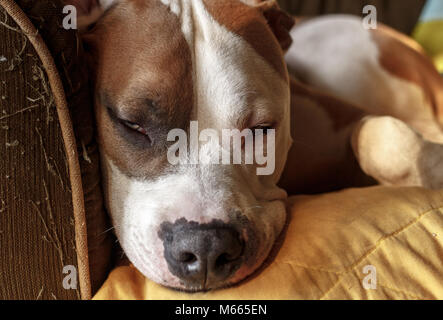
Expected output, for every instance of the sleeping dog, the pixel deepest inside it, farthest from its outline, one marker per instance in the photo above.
(359, 106)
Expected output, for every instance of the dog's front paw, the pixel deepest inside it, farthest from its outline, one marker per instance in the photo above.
(394, 154)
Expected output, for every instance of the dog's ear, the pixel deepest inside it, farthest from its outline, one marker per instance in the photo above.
(89, 11)
(280, 22)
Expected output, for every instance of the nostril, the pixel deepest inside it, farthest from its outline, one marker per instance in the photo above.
(231, 256)
(188, 257)
(222, 260)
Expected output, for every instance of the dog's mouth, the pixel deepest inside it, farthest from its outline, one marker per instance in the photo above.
(190, 257)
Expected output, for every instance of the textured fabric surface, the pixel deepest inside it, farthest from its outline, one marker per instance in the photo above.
(330, 240)
(38, 221)
(37, 237)
(401, 15)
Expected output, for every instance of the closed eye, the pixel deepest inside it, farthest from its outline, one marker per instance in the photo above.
(134, 126)
(265, 127)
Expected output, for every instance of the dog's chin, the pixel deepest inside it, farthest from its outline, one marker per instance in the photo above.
(180, 286)
(168, 280)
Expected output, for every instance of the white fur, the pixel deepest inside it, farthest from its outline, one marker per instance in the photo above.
(106, 4)
(338, 55)
(174, 5)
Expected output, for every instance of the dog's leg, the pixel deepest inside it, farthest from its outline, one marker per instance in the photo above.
(394, 154)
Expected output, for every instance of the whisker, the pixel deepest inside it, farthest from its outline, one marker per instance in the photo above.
(110, 229)
(107, 230)
(253, 207)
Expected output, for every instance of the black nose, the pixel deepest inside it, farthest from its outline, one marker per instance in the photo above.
(202, 255)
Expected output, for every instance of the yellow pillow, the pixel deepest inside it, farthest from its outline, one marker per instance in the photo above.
(430, 36)
(429, 31)
(395, 235)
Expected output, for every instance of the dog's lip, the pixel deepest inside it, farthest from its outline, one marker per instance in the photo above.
(220, 285)
(274, 196)
(268, 201)
(193, 289)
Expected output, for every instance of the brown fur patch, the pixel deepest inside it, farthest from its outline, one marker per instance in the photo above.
(404, 62)
(144, 69)
(250, 24)
(341, 113)
(321, 158)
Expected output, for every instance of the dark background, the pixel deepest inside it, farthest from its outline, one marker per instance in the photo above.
(400, 14)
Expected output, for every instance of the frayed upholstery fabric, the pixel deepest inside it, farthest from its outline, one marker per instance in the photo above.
(50, 195)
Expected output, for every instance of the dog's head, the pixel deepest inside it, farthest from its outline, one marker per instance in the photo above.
(186, 66)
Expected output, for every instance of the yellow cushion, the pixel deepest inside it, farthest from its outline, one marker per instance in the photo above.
(330, 240)
(430, 36)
